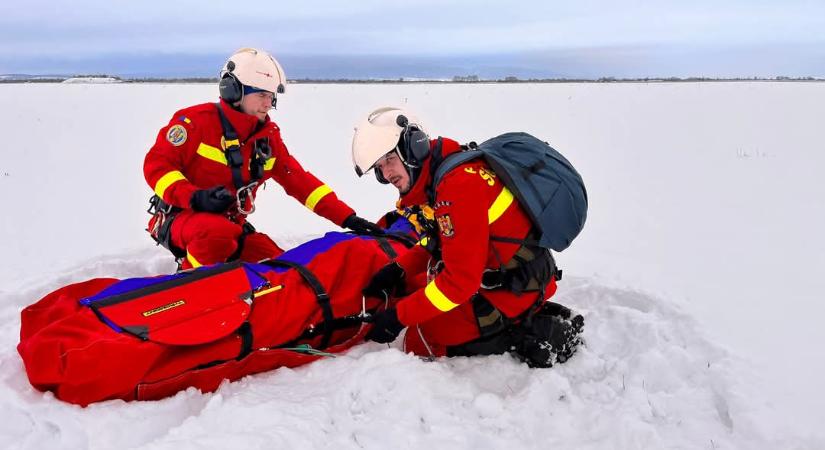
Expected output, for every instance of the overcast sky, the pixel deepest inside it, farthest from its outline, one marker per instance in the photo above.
(419, 37)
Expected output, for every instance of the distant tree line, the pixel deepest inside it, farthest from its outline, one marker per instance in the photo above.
(455, 79)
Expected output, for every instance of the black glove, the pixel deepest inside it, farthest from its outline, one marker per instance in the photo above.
(386, 282)
(385, 327)
(215, 200)
(361, 225)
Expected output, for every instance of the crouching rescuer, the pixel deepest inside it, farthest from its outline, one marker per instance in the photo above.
(209, 161)
(478, 281)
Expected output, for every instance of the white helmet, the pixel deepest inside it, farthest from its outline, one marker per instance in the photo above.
(381, 132)
(254, 68)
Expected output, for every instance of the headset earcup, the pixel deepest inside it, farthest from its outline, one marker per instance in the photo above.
(418, 145)
(230, 88)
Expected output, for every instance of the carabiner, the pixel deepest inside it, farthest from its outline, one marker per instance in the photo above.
(246, 193)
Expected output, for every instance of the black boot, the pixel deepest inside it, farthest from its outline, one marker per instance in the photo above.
(551, 335)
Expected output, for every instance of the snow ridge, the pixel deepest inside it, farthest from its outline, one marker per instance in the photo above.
(645, 379)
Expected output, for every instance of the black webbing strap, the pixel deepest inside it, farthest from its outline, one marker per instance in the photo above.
(403, 238)
(246, 230)
(384, 239)
(336, 324)
(320, 295)
(165, 213)
(541, 268)
(386, 247)
(511, 240)
(245, 332)
(436, 158)
(165, 237)
(233, 149)
(260, 155)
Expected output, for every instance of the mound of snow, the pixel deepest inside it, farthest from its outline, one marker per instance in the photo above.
(645, 379)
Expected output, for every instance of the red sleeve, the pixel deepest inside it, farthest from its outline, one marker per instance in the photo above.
(414, 261)
(163, 165)
(464, 233)
(306, 188)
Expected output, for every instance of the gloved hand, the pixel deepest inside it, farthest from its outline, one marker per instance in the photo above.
(215, 200)
(385, 327)
(361, 225)
(389, 280)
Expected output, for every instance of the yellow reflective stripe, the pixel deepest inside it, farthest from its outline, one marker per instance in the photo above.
(437, 298)
(213, 153)
(230, 143)
(316, 196)
(269, 164)
(167, 180)
(193, 261)
(502, 202)
(267, 291)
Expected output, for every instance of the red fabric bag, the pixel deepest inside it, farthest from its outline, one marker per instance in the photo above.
(222, 322)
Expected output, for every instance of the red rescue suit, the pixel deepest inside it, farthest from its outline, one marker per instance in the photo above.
(471, 204)
(188, 155)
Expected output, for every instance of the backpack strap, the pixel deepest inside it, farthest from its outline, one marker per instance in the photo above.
(441, 165)
(436, 158)
(511, 240)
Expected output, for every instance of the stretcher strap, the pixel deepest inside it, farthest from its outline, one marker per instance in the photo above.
(320, 295)
(245, 332)
(386, 247)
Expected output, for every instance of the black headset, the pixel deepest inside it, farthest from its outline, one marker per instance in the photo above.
(231, 88)
(413, 147)
(414, 143)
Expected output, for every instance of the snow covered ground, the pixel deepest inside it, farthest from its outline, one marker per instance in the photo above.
(700, 270)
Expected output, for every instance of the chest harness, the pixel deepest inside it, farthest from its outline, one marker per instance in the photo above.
(164, 214)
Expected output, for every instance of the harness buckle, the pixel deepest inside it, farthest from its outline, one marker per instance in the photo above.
(233, 155)
(246, 193)
(157, 205)
(159, 210)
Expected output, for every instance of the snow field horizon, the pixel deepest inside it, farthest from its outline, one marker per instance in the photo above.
(699, 269)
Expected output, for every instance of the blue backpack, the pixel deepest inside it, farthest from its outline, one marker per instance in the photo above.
(544, 182)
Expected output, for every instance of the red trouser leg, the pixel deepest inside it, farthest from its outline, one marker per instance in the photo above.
(207, 238)
(455, 327)
(460, 325)
(259, 246)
